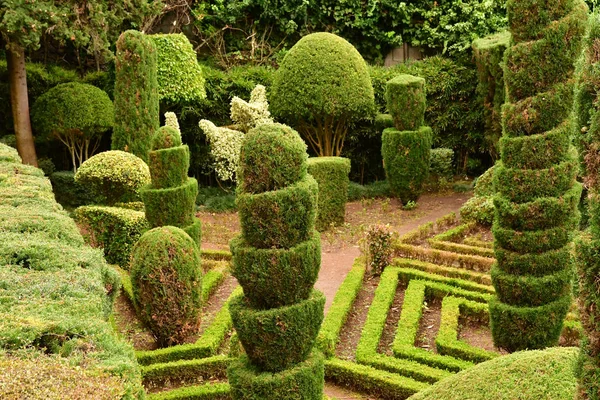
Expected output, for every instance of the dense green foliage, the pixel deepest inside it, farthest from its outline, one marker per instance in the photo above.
(321, 87)
(441, 163)
(136, 94)
(536, 170)
(331, 173)
(480, 208)
(171, 197)
(76, 114)
(114, 175)
(167, 283)
(58, 293)
(70, 193)
(489, 55)
(276, 260)
(179, 76)
(529, 375)
(405, 99)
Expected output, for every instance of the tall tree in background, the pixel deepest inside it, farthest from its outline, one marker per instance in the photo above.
(91, 25)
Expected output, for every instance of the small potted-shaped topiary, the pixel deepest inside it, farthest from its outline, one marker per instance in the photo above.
(276, 259)
(406, 147)
(167, 283)
(171, 197)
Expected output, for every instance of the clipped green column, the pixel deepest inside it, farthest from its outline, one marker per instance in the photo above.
(276, 260)
(406, 147)
(171, 197)
(136, 94)
(537, 193)
(331, 173)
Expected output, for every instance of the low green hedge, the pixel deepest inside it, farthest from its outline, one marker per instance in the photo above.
(209, 391)
(277, 338)
(450, 272)
(331, 173)
(185, 371)
(116, 229)
(281, 218)
(303, 381)
(276, 277)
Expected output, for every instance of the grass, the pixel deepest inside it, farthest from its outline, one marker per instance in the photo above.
(529, 375)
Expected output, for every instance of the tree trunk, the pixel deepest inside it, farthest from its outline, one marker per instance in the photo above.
(19, 102)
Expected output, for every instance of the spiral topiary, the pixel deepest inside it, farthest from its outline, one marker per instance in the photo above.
(276, 259)
(406, 148)
(537, 194)
(171, 197)
(167, 283)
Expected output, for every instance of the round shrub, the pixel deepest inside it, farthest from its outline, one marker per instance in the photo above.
(276, 277)
(321, 86)
(478, 209)
(167, 283)
(115, 174)
(165, 137)
(272, 157)
(484, 186)
(331, 173)
(76, 114)
(277, 338)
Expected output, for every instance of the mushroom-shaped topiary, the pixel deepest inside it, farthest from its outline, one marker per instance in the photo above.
(116, 175)
(167, 283)
(76, 114)
(321, 87)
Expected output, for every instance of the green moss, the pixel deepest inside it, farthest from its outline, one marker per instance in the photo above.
(331, 173)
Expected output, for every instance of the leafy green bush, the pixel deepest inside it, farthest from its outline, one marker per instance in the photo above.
(76, 114)
(70, 193)
(115, 175)
(136, 94)
(167, 283)
(321, 87)
(379, 248)
(536, 163)
(441, 163)
(478, 209)
(331, 173)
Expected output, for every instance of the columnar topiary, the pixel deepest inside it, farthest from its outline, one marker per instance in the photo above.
(167, 283)
(537, 195)
(406, 147)
(587, 127)
(331, 173)
(171, 197)
(276, 259)
(136, 94)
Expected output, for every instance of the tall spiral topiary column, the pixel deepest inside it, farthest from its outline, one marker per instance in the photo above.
(537, 194)
(276, 259)
(407, 146)
(171, 197)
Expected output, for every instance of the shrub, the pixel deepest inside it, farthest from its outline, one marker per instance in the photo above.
(538, 75)
(179, 77)
(167, 283)
(115, 175)
(379, 248)
(440, 163)
(70, 193)
(136, 94)
(321, 87)
(331, 173)
(478, 209)
(76, 114)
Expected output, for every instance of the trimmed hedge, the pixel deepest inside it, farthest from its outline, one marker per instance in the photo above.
(405, 99)
(185, 371)
(69, 193)
(116, 229)
(304, 381)
(331, 173)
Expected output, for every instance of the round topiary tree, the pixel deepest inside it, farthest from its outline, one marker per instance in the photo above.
(167, 283)
(136, 94)
(171, 197)
(276, 259)
(537, 193)
(114, 175)
(406, 147)
(76, 114)
(321, 87)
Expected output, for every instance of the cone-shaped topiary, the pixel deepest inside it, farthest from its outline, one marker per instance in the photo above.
(171, 197)
(588, 245)
(406, 148)
(276, 259)
(136, 94)
(167, 283)
(536, 200)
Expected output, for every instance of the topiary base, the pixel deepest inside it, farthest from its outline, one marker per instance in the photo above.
(302, 382)
(276, 277)
(521, 328)
(278, 338)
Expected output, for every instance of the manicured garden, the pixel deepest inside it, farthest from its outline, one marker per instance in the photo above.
(250, 201)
